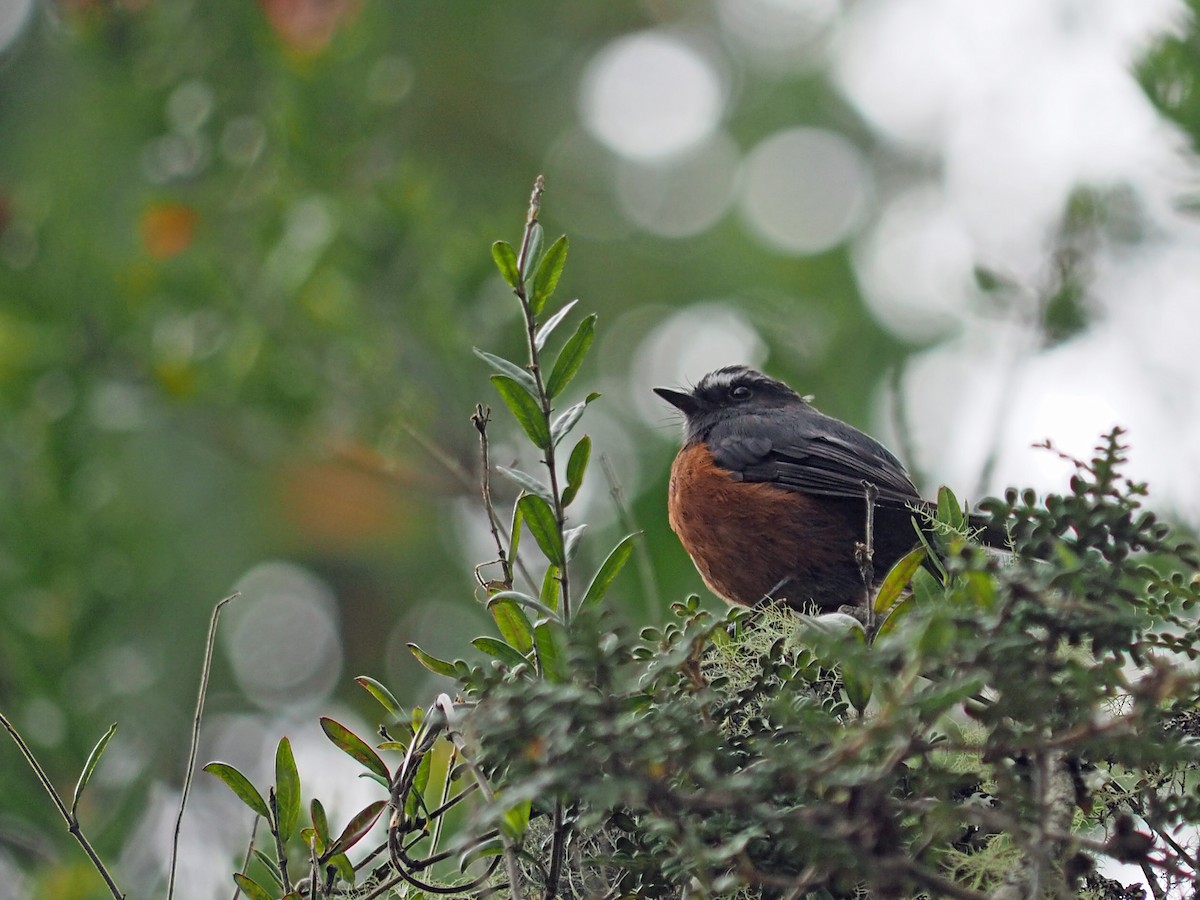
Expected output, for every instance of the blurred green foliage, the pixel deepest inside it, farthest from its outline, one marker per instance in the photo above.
(241, 268)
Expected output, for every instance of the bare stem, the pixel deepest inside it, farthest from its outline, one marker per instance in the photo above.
(480, 419)
(71, 820)
(864, 553)
(205, 670)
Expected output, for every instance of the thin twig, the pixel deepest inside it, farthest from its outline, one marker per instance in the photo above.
(209, 645)
(629, 525)
(249, 854)
(280, 852)
(446, 705)
(71, 820)
(480, 419)
(864, 553)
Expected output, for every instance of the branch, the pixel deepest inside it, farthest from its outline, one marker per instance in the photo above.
(68, 816)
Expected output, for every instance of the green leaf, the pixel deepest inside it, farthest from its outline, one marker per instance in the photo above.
(499, 650)
(346, 871)
(858, 689)
(287, 790)
(548, 272)
(898, 578)
(528, 602)
(354, 746)
(514, 543)
(564, 423)
(89, 767)
(511, 369)
(896, 614)
(385, 697)
(506, 261)
(271, 865)
(416, 796)
(576, 467)
(251, 888)
(608, 571)
(525, 481)
(571, 539)
(927, 590)
(358, 827)
(515, 820)
(320, 825)
(539, 339)
(533, 251)
(949, 512)
(240, 785)
(571, 357)
(513, 623)
(549, 592)
(524, 408)
(550, 639)
(432, 663)
(540, 520)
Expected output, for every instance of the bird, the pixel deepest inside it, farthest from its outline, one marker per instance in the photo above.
(768, 495)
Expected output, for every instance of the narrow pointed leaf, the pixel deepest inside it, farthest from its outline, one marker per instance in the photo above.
(89, 767)
(571, 357)
(562, 425)
(571, 539)
(358, 827)
(549, 592)
(320, 825)
(416, 797)
(548, 272)
(432, 663)
(499, 650)
(539, 339)
(287, 789)
(251, 888)
(513, 623)
(550, 639)
(515, 820)
(609, 570)
(948, 510)
(240, 785)
(533, 251)
(514, 543)
(505, 367)
(271, 865)
(527, 602)
(525, 481)
(524, 408)
(506, 261)
(540, 520)
(898, 578)
(346, 871)
(385, 697)
(576, 468)
(354, 746)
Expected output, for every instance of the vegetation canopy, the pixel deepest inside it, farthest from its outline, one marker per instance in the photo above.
(999, 724)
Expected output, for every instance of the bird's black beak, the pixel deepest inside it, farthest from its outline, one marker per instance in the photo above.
(685, 403)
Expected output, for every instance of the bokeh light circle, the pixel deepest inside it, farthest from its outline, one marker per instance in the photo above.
(780, 36)
(688, 344)
(804, 190)
(916, 266)
(284, 644)
(681, 198)
(14, 15)
(650, 95)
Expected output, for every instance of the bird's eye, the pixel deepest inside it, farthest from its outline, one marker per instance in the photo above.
(740, 392)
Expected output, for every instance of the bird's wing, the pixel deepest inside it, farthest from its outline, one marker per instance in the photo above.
(817, 455)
